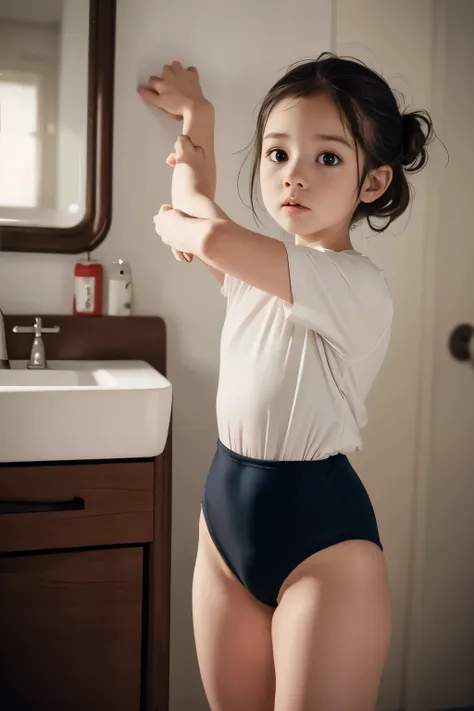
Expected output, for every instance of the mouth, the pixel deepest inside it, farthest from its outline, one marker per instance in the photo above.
(294, 207)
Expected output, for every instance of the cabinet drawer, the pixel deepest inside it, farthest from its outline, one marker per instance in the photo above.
(71, 630)
(72, 505)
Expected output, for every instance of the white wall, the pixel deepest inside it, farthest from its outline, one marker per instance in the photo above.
(31, 10)
(21, 41)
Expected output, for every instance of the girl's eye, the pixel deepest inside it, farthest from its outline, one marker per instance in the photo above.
(277, 155)
(280, 156)
(329, 159)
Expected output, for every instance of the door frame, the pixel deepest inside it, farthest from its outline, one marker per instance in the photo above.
(413, 673)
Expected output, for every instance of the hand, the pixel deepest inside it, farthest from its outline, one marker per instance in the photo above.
(182, 256)
(176, 92)
(186, 152)
(181, 231)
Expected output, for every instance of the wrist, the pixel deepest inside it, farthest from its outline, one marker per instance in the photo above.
(215, 229)
(198, 107)
(198, 123)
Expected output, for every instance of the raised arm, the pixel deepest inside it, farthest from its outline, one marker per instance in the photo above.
(179, 94)
(199, 126)
(193, 185)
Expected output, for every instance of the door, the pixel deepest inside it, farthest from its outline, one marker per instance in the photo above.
(441, 659)
(70, 630)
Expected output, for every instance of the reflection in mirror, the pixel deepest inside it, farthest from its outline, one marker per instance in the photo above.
(44, 52)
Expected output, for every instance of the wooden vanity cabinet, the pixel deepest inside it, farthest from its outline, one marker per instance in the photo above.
(85, 559)
(77, 594)
(70, 625)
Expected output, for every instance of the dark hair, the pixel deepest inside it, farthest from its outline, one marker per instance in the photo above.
(368, 107)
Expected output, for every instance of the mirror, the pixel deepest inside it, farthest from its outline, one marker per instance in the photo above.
(56, 93)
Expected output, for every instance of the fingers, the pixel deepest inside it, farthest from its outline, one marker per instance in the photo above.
(184, 145)
(180, 150)
(183, 142)
(185, 148)
(150, 92)
(161, 211)
(182, 256)
(149, 95)
(177, 67)
(156, 83)
(155, 93)
(178, 156)
(158, 86)
(177, 253)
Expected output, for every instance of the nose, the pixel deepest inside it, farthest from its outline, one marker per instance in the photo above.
(293, 177)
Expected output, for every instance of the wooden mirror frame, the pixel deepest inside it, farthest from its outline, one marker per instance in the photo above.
(93, 228)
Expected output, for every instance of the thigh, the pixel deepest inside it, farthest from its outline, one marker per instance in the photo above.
(331, 630)
(233, 635)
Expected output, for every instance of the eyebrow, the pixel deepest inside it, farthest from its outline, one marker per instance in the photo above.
(318, 136)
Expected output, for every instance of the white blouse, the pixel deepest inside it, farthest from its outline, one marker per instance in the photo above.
(294, 378)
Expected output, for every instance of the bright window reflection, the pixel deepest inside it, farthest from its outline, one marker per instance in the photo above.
(19, 151)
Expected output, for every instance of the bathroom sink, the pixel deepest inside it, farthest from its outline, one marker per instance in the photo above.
(17, 379)
(75, 410)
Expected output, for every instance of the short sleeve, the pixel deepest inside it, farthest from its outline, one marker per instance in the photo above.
(230, 285)
(342, 296)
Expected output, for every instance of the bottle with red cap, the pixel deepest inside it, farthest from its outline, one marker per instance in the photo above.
(88, 286)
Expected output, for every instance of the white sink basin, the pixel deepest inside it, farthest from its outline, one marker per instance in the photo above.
(83, 410)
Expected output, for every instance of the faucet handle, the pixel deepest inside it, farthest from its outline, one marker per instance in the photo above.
(37, 329)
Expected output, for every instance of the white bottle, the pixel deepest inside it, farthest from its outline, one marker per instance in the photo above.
(120, 289)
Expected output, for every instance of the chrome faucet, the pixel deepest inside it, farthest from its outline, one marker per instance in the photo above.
(4, 362)
(37, 357)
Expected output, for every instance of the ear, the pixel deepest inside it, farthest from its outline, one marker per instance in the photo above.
(376, 183)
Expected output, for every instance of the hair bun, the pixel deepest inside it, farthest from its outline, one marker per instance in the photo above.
(414, 140)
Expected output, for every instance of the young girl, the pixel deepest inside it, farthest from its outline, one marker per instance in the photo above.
(291, 601)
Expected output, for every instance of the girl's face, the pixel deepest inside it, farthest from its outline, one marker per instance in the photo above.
(309, 158)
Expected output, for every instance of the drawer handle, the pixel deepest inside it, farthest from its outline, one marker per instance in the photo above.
(19, 506)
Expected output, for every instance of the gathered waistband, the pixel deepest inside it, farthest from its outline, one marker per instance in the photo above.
(279, 464)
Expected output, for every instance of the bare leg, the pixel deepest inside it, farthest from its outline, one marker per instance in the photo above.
(331, 630)
(233, 636)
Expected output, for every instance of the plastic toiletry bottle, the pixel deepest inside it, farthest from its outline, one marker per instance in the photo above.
(120, 289)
